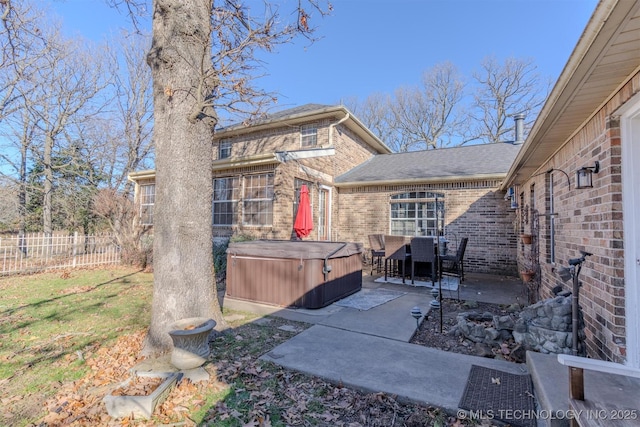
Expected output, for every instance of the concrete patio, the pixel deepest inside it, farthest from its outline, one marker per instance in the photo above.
(369, 350)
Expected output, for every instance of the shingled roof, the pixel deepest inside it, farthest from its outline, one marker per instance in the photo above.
(483, 161)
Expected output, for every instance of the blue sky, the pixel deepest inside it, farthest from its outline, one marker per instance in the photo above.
(370, 46)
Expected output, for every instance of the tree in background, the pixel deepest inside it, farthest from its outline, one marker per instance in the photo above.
(74, 120)
(22, 47)
(435, 114)
(68, 95)
(376, 114)
(503, 91)
(123, 144)
(425, 116)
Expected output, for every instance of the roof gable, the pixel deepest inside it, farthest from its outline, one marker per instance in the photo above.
(305, 114)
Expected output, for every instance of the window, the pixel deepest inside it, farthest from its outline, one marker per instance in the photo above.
(308, 135)
(225, 201)
(258, 200)
(417, 213)
(147, 200)
(224, 149)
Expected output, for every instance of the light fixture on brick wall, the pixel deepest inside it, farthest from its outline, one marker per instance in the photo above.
(584, 178)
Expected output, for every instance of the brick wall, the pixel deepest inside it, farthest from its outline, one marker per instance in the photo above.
(284, 138)
(350, 151)
(590, 220)
(476, 210)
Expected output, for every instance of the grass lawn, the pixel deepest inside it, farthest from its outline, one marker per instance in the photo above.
(67, 338)
(50, 323)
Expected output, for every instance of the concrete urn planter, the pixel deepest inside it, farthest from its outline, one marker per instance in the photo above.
(190, 342)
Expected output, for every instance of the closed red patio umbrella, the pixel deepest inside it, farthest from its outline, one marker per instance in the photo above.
(303, 223)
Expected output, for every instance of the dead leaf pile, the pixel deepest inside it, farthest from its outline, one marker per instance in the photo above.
(241, 389)
(138, 386)
(80, 402)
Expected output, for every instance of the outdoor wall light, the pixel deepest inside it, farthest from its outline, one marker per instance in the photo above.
(584, 177)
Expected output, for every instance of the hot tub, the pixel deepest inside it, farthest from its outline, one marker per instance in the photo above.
(303, 274)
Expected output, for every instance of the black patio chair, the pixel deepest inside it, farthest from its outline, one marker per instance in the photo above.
(396, 255)
(423, 249)
(453, 265)
(376, 241)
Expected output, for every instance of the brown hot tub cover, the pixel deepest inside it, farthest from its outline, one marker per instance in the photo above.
(308, 274)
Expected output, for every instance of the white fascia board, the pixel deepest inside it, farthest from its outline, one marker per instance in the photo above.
(285, 156)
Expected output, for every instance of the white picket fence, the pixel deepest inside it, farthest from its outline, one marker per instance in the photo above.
(33, 252)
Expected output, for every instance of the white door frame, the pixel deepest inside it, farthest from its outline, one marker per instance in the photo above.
(630, 152)
(327, 212)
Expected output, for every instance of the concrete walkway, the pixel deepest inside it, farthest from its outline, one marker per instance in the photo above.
(369, 350)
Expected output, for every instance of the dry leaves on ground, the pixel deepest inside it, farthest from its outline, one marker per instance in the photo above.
(241, 387)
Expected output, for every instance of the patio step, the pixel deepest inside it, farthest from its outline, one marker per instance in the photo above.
(551, 386)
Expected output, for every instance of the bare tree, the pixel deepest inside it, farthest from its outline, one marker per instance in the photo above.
(126, 130)
(376, 114)
(503, 91)
(21, 47)
(425, 116)
(9, 208)
(69, 83)
(120, 214)
(122, 143)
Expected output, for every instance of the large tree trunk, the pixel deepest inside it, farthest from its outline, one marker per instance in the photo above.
(184, 283)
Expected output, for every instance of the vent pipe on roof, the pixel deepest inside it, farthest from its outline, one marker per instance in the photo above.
(519, 121)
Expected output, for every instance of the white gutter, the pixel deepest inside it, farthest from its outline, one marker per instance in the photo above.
(333, 125)
(257, 159)
(145, 174)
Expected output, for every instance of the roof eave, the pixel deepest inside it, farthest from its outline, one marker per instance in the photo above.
(140, 175)
(604, 22)
(418, 181)
(257, 160)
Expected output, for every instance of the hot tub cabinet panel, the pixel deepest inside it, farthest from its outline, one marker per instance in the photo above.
(304, 274)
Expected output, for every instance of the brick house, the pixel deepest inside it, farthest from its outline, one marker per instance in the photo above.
(357, 186)
(590, 123)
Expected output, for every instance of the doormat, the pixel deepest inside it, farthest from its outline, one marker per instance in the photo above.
(499, 395)
(366, 299)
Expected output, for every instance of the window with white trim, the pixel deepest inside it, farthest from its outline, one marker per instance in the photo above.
(309, 135)
(147, 200)
(225, 201)
(257, 207)
(418, 213)
(224, 149)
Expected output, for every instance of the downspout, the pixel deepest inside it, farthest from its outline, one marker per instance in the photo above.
(333, 125)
